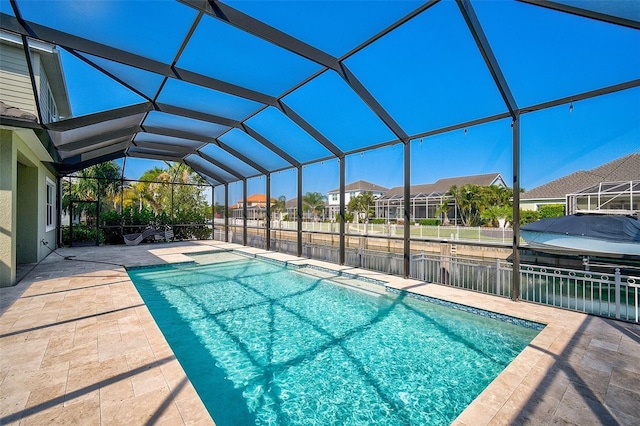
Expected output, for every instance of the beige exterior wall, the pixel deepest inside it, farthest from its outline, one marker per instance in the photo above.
(535, 204)
(8, 167)
(15, 85)
(23, 186)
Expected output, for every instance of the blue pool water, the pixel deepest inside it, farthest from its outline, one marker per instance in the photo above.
(264, 344)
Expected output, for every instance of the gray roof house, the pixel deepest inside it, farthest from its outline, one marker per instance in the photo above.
(441, 186)
(620, 173)
(426, 199)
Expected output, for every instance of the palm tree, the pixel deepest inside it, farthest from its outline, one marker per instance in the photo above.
(467, 198)
(101, 181)
(154, 188)
(313, 202)
(443, 210)
(279, 206)
(362, 204)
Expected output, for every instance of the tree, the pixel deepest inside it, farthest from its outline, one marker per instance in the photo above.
(154, 189)
(467, 198)
(313, 202)
(443, 210)
(279, 206)
(218, 209)
(477, 204)
(493, 214)
(98, 182)
(362, 205)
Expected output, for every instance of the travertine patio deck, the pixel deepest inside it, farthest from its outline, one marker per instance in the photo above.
(78, 346)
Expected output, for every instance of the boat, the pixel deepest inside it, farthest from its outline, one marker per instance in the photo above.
(585, 234)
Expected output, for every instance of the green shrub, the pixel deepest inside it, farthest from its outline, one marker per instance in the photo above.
(528, 216)
(551, 210)
(197, 228)
(111, 227)
(429, 222)
(378, 221)
(81, 234)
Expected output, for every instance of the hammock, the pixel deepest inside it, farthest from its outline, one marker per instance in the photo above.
(135, 239)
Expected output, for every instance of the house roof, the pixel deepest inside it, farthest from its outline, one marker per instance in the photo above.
(441, 186)
(626, 168)
(361, 185)
(258, 198)
(50, 61)
(16, 113)
(292, 203)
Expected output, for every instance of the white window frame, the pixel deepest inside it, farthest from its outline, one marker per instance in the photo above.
(50, 203)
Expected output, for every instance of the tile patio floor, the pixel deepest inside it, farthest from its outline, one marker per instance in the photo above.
(78, 346)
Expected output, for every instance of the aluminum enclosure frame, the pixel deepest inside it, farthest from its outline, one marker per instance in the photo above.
(121, 140)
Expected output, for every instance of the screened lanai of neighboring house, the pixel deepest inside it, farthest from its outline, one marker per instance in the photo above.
(290, 98)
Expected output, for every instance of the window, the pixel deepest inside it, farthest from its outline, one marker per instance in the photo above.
(50, 211)
(49, 110)
(334, 197)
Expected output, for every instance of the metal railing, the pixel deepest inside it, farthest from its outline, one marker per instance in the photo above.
(603, 294)
(612, 295)
(485, 276)
(418, 232)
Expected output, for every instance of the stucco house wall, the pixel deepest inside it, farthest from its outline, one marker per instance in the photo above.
(23, 202)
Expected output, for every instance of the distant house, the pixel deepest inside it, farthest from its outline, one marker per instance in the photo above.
(427, 199)
(28, 185)
(352, 190)
(292, 208)
(256, 207)
(613, 187)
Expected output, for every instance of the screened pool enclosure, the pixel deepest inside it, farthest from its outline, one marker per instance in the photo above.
(290, 98)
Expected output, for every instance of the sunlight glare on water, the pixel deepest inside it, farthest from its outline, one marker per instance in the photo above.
(264, 344)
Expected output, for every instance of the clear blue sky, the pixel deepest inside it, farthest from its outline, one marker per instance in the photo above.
(427, 75)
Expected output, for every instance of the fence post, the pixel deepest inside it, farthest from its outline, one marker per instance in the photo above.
(498, 274)
(618, 283)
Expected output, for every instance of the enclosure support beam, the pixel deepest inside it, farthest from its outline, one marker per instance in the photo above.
(173, 219)
(226, 212)
(268, 214)
(244, 212)
(59, 212)
(515, 290)
(470, 17)
(213, 215)
(407, 213)
(342, 196)
(299, 211)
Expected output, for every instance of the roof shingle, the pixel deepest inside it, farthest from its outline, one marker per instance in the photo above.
(443, 185)
(626, 168)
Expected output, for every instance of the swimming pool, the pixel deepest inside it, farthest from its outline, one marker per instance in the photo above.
(266, 344)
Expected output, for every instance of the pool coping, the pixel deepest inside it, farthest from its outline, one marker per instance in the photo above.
(579, 369)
